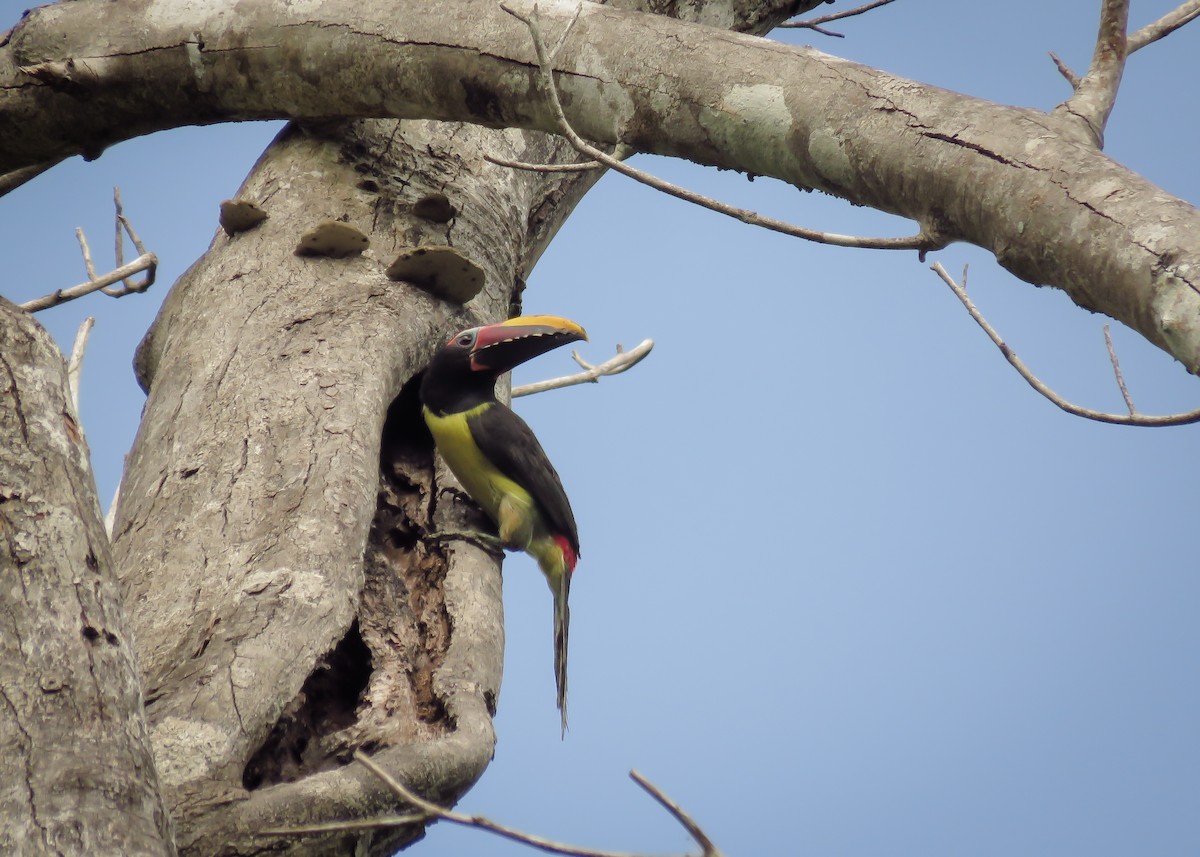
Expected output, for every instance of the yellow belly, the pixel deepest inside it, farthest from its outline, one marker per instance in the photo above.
(508, 504)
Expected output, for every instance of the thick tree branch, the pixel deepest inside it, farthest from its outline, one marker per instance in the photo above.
(1096, 91)
(1016, 182)
(924, 241)
(1164, 26)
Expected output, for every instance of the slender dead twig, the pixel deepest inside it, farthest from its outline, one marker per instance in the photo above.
(75, 364)
(689, 824)
(1116, 364)
(146, 262)
(924, 241)
(429, 811)
(1164, 26)
(1065, 71)
(815, 23)
(623, 361)
(1096, 92)
(620, 152)
(122, 222)
(1131, 419)
(581, 167)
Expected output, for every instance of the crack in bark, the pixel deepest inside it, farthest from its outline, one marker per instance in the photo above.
(18, 408)
(29, 775)
(975, 147)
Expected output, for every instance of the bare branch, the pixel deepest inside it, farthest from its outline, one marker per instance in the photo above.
(128, 287)
(1096, 91)
(1112, 356)
(123, 273)
(428, 811)
(1033, 381)
(927, 239)
(623, 361)
(146, 262)
(11, 181)
(815, 23)
(1164, 26)
(582, 166)
(693, 829)
(75, 364)
(1065, 71)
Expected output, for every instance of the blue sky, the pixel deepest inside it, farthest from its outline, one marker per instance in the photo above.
(848, 586)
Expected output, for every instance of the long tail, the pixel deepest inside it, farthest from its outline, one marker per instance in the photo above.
(562, 626)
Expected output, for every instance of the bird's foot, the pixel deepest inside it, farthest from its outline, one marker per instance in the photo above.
(484, 541)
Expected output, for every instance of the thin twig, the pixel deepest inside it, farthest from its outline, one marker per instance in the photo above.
(75, 364)
(1065, 71)
(582, 166)
(689, 824)
(428, 811)
(1035, 382)
(623, 361)
(122, 222)
(87, 254)
(1116, 364)
(924, 241)
(815, 23)
(1164, 26)
(620, 152)
(1096, 92)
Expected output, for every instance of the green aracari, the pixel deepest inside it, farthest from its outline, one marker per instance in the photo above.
(497, 458)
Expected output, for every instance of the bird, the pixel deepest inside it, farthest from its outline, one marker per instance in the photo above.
(497, 457)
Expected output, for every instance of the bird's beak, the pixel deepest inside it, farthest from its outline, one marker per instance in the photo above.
(500, 347)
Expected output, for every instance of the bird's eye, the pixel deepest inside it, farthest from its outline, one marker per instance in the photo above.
(466, 339)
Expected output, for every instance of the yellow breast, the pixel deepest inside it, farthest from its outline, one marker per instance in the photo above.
(487, 486)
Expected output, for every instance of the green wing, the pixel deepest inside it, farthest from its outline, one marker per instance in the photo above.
(509, 443)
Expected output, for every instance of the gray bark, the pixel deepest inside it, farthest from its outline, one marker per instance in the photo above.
(270, 534)
(76, 772)
(1031, 187)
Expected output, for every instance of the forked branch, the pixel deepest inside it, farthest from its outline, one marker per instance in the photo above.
(1096, 92)
(927, 239)
(1147, 35)
(623, 361)
(124, 273)
(1131, 419)
(429, 811)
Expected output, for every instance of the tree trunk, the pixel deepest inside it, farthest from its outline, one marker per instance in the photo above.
(76, 772)
(271, 530)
